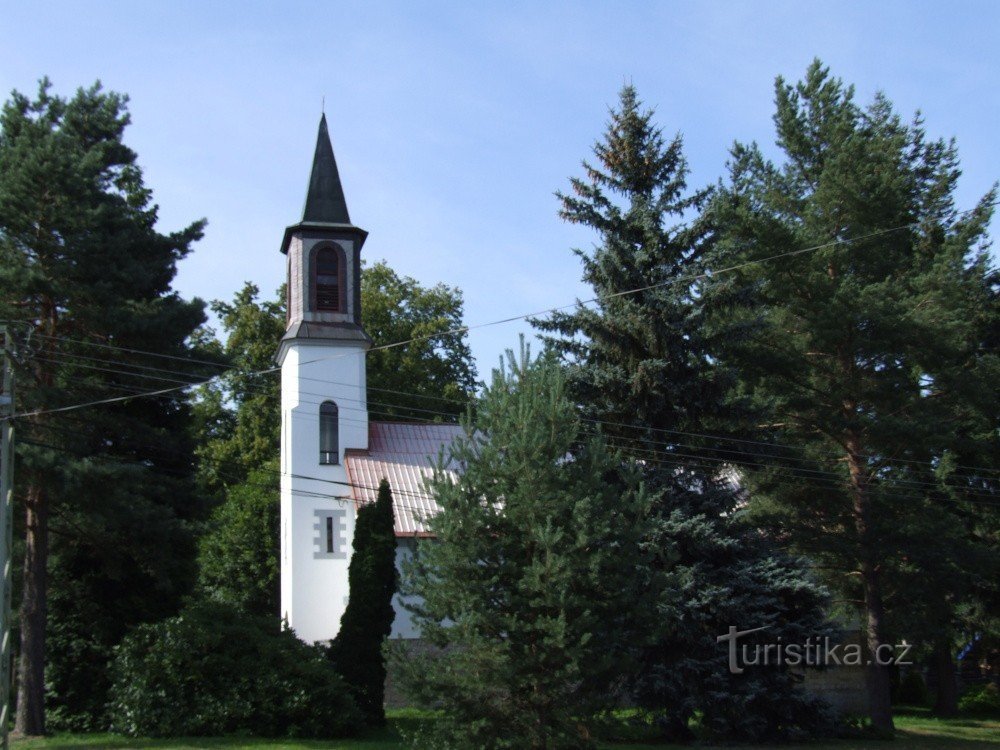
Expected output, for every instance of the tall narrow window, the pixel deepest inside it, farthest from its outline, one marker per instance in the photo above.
(328, 280)
(329, 446)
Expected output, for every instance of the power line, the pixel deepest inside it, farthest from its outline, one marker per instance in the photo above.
(301, 492)
(116, 347)
(409, 408)
(732, 454)
(823, 480)
(464, 329)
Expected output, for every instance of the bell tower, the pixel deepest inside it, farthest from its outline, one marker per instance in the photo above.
(324, 409)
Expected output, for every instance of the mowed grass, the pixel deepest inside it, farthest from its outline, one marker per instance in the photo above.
(915, 729)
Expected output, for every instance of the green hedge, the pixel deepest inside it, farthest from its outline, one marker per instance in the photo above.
(213, 670)
(982, 700)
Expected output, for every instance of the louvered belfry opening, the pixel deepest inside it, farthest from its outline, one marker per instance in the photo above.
(328, 280)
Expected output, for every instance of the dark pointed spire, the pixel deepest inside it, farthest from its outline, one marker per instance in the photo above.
(326, 209)
(325, 202)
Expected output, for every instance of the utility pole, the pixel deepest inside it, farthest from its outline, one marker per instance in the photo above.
(6, 531)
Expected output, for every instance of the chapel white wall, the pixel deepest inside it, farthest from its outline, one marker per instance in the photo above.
(314, 584)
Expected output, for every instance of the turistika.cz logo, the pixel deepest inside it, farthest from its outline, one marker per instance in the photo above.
(814, 652)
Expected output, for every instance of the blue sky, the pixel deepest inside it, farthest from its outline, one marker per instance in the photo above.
(454, 123)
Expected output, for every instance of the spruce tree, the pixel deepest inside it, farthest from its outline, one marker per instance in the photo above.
(863, 344)
(108, 499)
(639, 358)
(529, 594)
(643, 361)
(357, 651)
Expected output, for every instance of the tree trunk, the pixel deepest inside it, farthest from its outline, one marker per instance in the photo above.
(30, 716)
(876, 675)
(30, 719)
(946, 703)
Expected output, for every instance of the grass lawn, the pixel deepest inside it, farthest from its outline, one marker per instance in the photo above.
(916, 729)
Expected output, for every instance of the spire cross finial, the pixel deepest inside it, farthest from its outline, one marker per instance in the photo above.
(322, 106)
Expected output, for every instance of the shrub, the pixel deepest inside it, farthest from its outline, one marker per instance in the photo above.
(982, 700)
(213, 670)
(912, 690)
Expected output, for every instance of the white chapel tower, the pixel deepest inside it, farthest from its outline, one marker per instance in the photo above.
(323, 401)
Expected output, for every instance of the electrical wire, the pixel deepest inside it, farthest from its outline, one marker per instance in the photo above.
(510, 319)
(743, 458)
(836, 457)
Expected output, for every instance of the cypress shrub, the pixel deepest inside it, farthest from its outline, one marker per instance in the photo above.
(367, 621)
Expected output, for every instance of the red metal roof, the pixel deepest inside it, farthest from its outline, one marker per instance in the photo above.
(404, 454)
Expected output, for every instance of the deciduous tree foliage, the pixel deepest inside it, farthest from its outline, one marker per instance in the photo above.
(238, 415)
(434, 373)
(106, 492)
(529, 592)
(866, 351)
(238, 558)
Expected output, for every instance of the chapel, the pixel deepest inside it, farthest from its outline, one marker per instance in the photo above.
(333, 455)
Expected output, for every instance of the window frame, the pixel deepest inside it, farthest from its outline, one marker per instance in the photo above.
(329, 457)
(314, 278)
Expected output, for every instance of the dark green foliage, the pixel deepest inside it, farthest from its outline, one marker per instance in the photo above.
(238, 416)
(238, 555)
(724, 573)
(214, 670)
(639, 359)
(82, 264)
(436, 372)
(130, 565)
(982, 700)
(866, 353)
(530, 596)
(357, 651)
(912, 690)
(643, 363)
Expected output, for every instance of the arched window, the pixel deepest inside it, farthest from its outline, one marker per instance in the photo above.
(328, 279)
(329, 445)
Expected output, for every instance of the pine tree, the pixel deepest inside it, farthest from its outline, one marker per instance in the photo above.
(357, 651)
(529, 592)
(643, 361)
(108, 501)
(862, 351)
